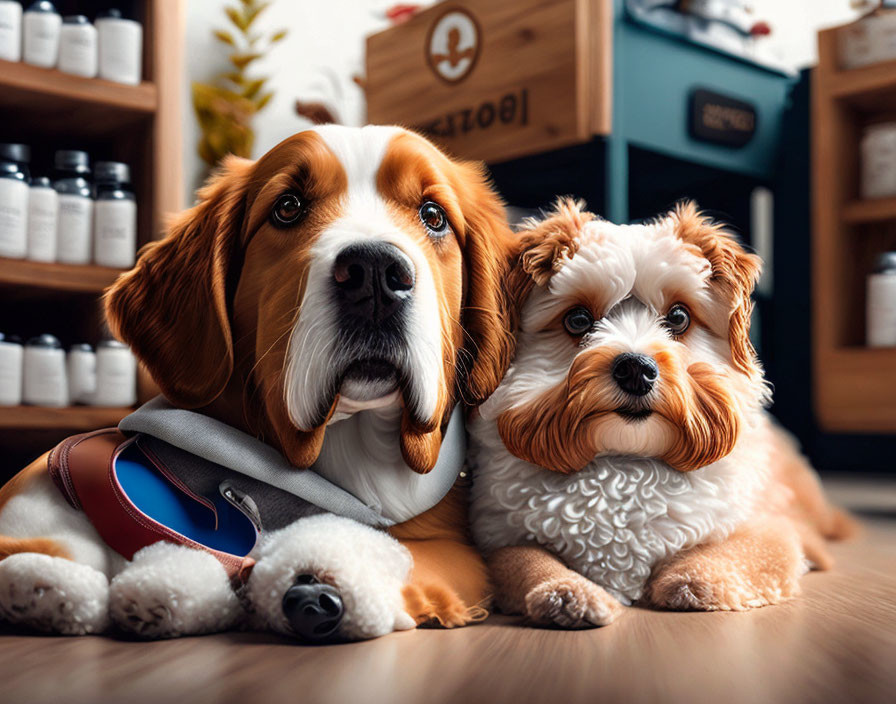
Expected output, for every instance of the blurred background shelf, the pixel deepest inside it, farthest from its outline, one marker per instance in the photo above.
(858, 212)
(69, 418)
(45, 276)
(139, 125)
(90, 103)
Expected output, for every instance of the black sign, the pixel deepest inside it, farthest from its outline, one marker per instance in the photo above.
(720, 119)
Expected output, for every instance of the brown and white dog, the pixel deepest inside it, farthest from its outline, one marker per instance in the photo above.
(626, 456)
(336, 298)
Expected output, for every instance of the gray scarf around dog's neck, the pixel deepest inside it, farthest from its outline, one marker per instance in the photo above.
(201, 444)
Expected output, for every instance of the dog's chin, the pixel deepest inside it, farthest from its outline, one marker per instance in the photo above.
(634, 415)
(368, 380)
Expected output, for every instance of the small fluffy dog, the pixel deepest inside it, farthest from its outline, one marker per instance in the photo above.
(337, 298)
(626, 455)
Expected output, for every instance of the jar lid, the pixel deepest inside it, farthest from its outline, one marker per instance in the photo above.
(111, 172)
(10, 339)
(46, 341)
(72, 160)
(42, 6)
(112, 344)
(75, 19)
(885, 263)
(113, 13)
(41, 182)
(80, 347)
(18, 153)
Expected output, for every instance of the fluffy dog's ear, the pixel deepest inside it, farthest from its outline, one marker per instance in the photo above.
(171, 308)
(546, 243)
(734, 275)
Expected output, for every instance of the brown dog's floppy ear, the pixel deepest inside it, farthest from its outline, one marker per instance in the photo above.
(488, 313)
(171, 308)
(734, 274)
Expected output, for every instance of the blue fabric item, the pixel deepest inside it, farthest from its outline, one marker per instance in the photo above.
(155, 496)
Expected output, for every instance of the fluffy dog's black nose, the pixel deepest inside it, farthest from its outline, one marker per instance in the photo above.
(635, 373)
(373, 281)
(314, 610)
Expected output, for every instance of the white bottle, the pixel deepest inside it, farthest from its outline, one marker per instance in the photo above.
(81, 373)
(78, 52)
(14, 200)
(116, 375)
(115, 216)
(10, 30)
(120, 47)
(881, 322)
(10, 370)
(74, 231)
(43, 212)
(45, 382)
(41, 28)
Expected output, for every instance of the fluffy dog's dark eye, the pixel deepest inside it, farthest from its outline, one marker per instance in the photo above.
(287, 210)
(434, 219)
(578, 321)
(678, 319)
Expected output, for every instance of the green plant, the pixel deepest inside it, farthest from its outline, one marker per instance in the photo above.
(225, 106)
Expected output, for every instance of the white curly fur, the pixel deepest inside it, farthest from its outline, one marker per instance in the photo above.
(366, 565)
(53, 594)
(171, 590)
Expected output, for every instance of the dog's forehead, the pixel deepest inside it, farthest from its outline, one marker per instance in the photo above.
(360, 150)
(648, 260)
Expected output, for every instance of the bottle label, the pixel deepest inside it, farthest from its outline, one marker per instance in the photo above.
(42, 208)
(74, 229)
(13, 217)
(116, 233)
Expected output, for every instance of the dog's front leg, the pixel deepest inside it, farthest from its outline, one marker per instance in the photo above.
(533, 582)
(449, 584)
(759, 564)
(172, 590)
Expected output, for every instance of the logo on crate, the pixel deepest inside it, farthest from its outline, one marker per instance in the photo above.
(452, 45)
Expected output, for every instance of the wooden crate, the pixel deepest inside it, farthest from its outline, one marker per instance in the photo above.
(496, 79)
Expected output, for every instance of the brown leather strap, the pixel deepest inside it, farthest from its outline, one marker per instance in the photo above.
(83, 468)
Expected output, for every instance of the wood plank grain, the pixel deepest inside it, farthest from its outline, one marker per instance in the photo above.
(71, 418)
(51, 276)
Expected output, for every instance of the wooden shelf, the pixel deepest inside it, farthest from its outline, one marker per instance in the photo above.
(870, 87)
(71, 418)
(87, 278)
(87, 105)
(859, 212)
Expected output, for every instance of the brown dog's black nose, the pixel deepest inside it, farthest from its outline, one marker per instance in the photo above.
(635, 374)
(313, 610)
(373, 281)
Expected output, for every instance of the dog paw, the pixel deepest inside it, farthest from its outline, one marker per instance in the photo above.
(330, 558)
(171, 590)
(53, 595)
(571, 602)
(432, 604)
(719, 590)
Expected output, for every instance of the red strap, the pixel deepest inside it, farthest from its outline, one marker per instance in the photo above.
(82, 467)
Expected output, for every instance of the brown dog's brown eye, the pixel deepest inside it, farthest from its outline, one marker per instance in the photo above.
(287, 209)
(678, 319)
(434, 219)
(578, 321)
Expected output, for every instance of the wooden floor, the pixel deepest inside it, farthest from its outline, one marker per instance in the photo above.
(836, 643)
